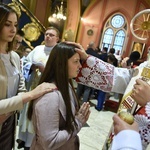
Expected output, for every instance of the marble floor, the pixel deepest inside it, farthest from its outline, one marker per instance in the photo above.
(93, 134)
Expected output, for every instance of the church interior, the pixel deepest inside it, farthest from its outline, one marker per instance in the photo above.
(122, 25)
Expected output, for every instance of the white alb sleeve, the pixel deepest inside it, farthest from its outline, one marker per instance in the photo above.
(127, 140)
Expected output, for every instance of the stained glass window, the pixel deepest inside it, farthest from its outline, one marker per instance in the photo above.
(114, 33)
(117, 21)
(119, 40)
(108, 37)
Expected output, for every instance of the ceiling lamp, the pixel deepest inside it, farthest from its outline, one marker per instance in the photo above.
(59, 12)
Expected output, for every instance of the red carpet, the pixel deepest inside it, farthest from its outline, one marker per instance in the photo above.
(111, 105)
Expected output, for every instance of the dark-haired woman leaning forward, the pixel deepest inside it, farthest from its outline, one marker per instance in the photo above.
(57, 117)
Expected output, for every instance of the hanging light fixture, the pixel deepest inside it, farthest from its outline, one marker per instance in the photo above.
(59, 12)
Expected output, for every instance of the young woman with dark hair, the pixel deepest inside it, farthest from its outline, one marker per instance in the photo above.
(57, 116)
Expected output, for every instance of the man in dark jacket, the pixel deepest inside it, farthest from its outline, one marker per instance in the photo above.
(104, 54)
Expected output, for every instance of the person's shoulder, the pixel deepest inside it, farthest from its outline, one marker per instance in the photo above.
(53, 97)
(143, 64)
(50, 100)
(39, 46)
(14, 54)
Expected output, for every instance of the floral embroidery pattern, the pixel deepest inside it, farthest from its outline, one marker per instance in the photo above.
(96, 73)
(143, 119)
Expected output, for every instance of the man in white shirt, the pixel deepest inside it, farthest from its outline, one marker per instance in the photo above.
(38, 57)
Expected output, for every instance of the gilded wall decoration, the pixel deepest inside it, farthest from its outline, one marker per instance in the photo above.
(31, 31)
(16, 8)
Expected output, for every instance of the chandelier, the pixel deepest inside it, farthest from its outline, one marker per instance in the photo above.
(59, 12)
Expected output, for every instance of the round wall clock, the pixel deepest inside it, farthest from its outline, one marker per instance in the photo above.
(90, 32)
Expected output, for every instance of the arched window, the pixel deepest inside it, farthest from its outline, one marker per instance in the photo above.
(108, 36)
(114, 32)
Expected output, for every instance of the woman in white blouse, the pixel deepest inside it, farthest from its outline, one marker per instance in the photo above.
(11, 80)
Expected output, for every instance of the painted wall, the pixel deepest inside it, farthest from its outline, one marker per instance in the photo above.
(40, 8)
(72, 22)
